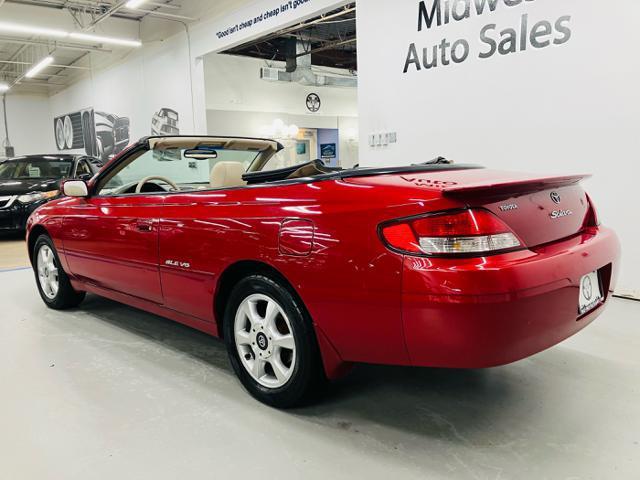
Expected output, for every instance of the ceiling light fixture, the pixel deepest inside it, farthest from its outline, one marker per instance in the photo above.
(45, 32)
(38, 67)
(50, 32)
(100, 39)
(4, 87)
(133, 4)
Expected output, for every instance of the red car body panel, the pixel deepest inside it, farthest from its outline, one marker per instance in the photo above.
(482, 313)
(166, 253)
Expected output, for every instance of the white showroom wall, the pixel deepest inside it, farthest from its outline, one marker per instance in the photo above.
(569, 107)
(233, 83)
(169, 71)
(153, 77)
(249, 21)
(27, 118)
(240, 103)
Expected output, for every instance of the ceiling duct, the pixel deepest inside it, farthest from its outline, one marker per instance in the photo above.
(299, 70)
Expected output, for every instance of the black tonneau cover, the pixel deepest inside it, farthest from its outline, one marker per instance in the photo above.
(322, 172)
(309, 169)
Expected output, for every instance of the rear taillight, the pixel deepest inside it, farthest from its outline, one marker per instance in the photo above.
(591, 219)
(463, 232)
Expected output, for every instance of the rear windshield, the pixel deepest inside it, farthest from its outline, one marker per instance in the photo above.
(35, 169)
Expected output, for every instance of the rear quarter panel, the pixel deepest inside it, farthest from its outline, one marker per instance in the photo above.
(350, 283)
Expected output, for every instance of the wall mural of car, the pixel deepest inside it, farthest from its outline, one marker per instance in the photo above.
(165, 122)
(100, 134)
(306, 270)
(112, 134)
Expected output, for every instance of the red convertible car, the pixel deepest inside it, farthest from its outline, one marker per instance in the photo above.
(305, 270)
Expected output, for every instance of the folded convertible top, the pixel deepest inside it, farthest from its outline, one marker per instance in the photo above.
(316, 170)
(309, 169)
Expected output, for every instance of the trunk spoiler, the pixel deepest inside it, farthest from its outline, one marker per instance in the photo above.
(511, 188)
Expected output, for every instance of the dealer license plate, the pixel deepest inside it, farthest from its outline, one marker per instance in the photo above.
(590, 294)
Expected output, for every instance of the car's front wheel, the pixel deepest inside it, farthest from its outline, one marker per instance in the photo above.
(271, 343)
(53, 283)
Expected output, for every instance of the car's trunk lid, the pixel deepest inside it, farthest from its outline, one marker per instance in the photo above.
(539, 209)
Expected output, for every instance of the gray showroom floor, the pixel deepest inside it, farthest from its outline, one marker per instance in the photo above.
(108, 392)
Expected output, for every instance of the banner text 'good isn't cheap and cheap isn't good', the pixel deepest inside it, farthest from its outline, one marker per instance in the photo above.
(269, 13)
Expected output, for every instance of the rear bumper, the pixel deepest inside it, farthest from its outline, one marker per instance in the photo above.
(492, 311)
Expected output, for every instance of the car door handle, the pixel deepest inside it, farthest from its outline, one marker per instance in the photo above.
(144, 227)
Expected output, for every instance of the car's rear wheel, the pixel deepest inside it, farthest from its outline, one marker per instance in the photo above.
(53, 284)
(271, 343)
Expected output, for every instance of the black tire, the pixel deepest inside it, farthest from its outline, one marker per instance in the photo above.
(308, 374)
(66, 297)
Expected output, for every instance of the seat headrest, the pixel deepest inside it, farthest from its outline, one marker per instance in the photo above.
(227, 174)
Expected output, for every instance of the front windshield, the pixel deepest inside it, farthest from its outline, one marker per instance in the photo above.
(35, 169)
(186, 173)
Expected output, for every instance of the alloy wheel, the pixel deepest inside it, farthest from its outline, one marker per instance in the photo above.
(48, 272)
(264, 340)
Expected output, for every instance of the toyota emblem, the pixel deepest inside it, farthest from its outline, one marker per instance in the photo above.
(555, 197)
(261, 340)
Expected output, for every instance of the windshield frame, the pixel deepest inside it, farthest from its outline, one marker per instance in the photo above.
(263, 148)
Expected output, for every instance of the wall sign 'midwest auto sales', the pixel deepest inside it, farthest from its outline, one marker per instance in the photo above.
(492, 38)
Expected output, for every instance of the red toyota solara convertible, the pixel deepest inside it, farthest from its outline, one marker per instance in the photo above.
(304, 270)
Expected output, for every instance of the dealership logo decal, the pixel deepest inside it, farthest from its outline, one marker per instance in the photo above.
(313, 102)
(493, 39)
(555, 197)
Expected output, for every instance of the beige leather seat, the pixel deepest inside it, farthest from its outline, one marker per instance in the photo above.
(227, 174)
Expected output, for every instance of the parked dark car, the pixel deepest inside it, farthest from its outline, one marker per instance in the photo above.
(29, 181)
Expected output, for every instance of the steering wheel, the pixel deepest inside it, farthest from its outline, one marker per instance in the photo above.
(156, 177)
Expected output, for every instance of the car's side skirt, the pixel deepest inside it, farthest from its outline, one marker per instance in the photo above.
(206, 327)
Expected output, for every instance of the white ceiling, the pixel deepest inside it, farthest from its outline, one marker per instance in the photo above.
(155, 20)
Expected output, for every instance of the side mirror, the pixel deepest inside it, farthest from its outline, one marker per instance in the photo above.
(201, 153)
(75, 188)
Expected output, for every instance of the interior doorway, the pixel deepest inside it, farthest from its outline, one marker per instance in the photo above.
(297, 85)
